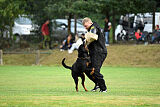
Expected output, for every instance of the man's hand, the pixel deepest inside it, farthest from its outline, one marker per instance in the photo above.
(93, 69)
(86, 48)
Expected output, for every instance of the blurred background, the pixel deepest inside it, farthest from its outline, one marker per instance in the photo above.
(21, 20)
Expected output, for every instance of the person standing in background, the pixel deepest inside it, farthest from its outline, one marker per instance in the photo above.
(107, 29)
(46, 34)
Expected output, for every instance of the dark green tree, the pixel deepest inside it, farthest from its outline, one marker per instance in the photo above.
(66, 9)
(9, 11)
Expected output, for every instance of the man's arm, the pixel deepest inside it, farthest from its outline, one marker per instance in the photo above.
(109, 24)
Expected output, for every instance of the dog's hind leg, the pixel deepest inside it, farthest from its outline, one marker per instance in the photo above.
(83, 79)
(76, 82)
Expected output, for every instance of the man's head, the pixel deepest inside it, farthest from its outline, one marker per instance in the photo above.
(106, 19)
(87, 22)
(69, 37)
(138, 31)
(47, 22)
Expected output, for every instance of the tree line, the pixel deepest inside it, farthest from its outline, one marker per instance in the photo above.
(97, 10)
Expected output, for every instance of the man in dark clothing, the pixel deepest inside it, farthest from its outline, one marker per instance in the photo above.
(107, 28)
(97, 53)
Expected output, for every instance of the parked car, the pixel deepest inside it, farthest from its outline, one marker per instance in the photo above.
(23, 27)
(63, 24)
(60, 28)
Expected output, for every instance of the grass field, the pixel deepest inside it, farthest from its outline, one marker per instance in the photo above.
(53, 86)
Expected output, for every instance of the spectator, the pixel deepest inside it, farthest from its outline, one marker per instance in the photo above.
(140, 36)
(46, 35)
(107, 30)
(67, 43)
(156, 34)
(77, 44)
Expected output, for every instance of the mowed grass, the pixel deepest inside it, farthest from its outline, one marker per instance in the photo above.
(53, 86)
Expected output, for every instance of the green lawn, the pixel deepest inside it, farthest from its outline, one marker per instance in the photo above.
(48, 86)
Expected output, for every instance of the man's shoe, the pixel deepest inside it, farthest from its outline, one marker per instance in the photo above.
(103, 91)
(106, 44)
(69, 51)
(95, 88)
(61, 49)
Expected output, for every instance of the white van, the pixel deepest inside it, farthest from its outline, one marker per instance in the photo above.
(145, 19)
(22, 26)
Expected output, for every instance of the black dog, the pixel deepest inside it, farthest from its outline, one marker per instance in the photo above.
(80, 66)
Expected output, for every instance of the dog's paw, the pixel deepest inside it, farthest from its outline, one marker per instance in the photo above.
(76, 90)
(86, 90)
(92, 71)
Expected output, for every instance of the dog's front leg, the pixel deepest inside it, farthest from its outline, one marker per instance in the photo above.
(83, 79)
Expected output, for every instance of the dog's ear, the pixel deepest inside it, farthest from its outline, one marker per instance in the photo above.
(84, 42)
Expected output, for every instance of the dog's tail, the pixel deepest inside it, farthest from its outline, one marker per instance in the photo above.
(68, 67)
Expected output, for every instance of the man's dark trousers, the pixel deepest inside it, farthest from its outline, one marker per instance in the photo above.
(97, 60)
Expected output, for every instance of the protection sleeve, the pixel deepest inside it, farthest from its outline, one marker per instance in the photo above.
(90, 37)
